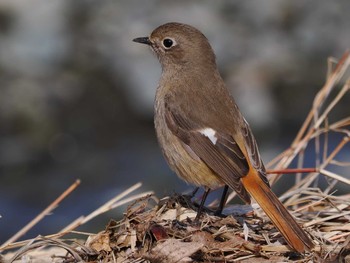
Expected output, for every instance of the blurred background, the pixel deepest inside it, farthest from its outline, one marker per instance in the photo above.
(77, 94)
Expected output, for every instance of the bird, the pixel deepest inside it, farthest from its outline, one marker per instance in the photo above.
(201, 131)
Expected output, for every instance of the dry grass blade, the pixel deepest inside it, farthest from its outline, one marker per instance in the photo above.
(44, 213)
(41, 242)
(114, 202)
(341, 93)
(335, 176)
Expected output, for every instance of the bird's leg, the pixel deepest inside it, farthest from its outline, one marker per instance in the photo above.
(201, 205)
(194, 192)
(187, 198)
(222, 201)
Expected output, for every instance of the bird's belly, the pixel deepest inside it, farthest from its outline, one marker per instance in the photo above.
(184, 162)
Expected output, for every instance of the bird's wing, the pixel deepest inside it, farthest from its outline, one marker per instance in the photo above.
(218, 150)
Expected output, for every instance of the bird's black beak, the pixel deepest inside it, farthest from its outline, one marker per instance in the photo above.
(142, 40)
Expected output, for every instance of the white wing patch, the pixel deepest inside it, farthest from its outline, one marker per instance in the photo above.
(210, 133)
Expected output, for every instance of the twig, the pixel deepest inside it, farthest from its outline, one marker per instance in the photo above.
(39, 217)
(292, 171)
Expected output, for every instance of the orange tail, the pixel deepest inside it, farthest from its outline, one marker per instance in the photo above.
(275, 210)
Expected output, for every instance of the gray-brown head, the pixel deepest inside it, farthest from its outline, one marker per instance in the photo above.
(179, 45)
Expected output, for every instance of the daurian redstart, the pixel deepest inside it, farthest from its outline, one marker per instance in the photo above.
(201, 131)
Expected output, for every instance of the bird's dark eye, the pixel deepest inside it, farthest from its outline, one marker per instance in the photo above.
(168, 43)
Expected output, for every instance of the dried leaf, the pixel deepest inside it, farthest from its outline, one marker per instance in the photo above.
(174, 251)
